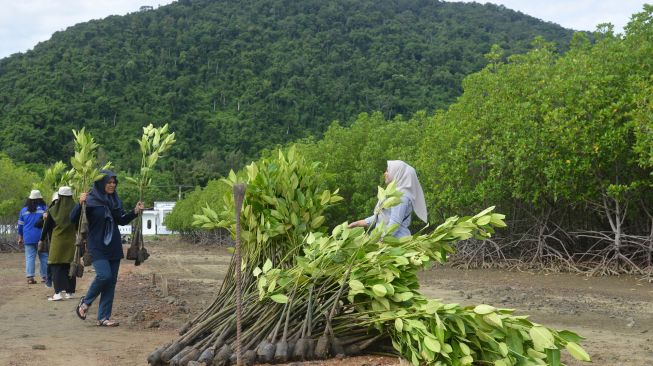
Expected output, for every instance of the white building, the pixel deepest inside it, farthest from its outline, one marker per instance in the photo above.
(153, 219)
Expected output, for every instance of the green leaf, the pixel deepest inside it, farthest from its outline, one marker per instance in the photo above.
(432, 344)
(542, 338)
(535, 354)
(497, 220)
(279, 298)
(493, 319)
(483, 220)
(379, 290)
(317, 222)
(402, 296)
(399, 325)
(464, 348)
(267, 265)
(391, 202)
(257, 271)
(570, 336)
(467, 360)
(553, 356)
(389, 288)
(503, 348)
(356, 285)
(432, 306)
(483, 309)
(577, 351)
(401, 261)
(484, 212)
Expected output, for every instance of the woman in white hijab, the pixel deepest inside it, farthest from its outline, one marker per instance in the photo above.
(412, 200)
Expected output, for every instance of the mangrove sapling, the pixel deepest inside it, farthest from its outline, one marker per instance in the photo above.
(222, 358)
(175, 361)
(207, 356)
(192, 355)
(153, 144)
(172, 350)
(82, 176)
(358, 345)
(302, 345)
(154, 358)
(303, 328)
(281, 353)
(267, 348)
(249, 357)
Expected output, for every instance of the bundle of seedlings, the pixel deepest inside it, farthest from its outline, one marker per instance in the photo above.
(82, 176)
(379, 273)
(310, 295)
(55, 176)
(154, 143)
(284, 202)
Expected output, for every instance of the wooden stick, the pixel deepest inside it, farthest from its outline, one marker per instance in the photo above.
(164, 286)
(239, 195)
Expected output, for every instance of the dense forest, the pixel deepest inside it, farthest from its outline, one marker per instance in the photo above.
(561, 144)
(234, 77)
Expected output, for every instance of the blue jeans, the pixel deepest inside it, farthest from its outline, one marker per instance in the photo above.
(30, 261)
(104, 285)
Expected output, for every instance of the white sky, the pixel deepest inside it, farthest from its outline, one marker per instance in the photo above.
(24, 23)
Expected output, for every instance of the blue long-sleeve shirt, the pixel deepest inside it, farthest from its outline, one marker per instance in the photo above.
(400, 214)
(27, 224)
(96, 222)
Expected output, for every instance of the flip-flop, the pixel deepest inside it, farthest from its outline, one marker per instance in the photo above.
(77, 308)
(107, 323)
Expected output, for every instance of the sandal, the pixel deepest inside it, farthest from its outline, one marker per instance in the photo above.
(107, 323)
(81, 309)
(31, 281)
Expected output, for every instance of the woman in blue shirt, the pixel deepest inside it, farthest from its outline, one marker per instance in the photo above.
(29, 235)
(412, 200)
(104, 213)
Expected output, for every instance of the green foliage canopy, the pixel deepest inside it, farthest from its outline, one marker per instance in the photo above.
(239, 76)
(15, 184)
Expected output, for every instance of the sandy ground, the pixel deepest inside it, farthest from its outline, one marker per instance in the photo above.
(615, 314)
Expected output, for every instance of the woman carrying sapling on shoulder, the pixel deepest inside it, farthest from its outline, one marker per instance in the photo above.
(104, 213)
(412, 200)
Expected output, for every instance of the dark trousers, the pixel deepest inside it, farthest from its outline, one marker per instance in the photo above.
(60, 279)
(104, 285)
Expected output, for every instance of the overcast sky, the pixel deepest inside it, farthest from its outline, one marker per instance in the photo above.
(24, 23)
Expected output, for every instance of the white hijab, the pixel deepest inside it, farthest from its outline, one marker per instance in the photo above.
(406, 179)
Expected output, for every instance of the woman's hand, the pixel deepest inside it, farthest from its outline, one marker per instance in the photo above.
(82, 197)
(139, 207)
(357, 224)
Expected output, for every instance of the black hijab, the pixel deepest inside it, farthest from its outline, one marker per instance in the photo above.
(99, 198)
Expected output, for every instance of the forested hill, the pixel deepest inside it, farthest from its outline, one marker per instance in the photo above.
(233, 77)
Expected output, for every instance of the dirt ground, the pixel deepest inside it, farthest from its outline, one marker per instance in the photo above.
(615, 314)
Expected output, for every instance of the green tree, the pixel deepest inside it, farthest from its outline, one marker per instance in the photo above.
(15, 184)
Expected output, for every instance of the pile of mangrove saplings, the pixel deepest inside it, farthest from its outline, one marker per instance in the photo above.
(311, 295)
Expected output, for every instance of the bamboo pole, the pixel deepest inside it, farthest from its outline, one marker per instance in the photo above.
(239, 195)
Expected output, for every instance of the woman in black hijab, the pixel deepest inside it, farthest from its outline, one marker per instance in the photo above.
(104, 213)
